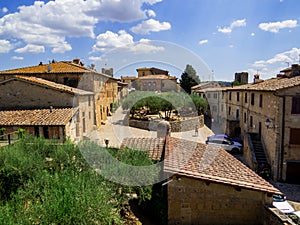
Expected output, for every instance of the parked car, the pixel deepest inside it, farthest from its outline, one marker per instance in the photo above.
(225, 136)
(225, 142)
(280, 202)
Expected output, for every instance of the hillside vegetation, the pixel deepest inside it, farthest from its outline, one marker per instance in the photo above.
(42, 182)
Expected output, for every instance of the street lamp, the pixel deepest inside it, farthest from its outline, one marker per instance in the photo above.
(267, 123)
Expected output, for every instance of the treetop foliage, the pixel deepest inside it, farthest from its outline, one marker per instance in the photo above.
(189, 78)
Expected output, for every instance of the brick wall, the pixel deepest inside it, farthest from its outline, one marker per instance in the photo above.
(192, 201)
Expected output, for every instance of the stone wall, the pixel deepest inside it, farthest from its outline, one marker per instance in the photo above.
(176, 126)
(192, 201)
(274, 217)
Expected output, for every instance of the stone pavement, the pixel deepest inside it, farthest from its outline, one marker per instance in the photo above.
(115, 130)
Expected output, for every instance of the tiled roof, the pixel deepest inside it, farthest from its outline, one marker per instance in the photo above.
(159, 77)
(273, 84)
(63, 67)
(215, 89)
(203, 84)
(211, 163)
(56, 67)
(50, 84)
(36, 117)
(154, 146)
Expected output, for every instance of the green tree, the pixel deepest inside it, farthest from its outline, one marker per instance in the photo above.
(189, 78)
(200, 103)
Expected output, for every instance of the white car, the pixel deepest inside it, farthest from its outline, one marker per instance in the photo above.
(280, 203)
(227, 144)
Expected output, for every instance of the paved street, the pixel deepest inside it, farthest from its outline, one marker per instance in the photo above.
(115, 130)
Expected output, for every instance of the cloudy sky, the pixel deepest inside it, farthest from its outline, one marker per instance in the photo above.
(217, 37)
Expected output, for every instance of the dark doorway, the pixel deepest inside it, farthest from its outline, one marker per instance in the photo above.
(46, 132)
(292, 172)
(259, 129)
(36, 131)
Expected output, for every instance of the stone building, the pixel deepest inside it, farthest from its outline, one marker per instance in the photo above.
(267, 116)
(205, 85)
(210, 186)
(152, 79)
(46, 99)
(105, 87)
(205, 184)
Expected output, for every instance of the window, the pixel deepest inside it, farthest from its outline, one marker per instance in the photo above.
(229, 96)
(245, 117)
(237, 114)
(251, 121)
(296, 105)
(208, 95)
(222, 107)
(89, 100)
(229, 110)
(246, 97)
(214, 108)
(252, 98)
(260, 100)
(238, 96)
(215, 95)
(294, 136)
(149, 84)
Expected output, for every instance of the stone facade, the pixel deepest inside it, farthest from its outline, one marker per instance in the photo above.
(24, 93)
(73, 74)
(250, 106)
(194, 201)
(176, 126)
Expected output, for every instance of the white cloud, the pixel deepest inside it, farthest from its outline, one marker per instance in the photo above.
(150, 25)
(234, 24)
(4, 10)
(252, 34)
(110, 40)
(272, 66)
(151, 13)
(17, 58)
(274, 27)
(122, 40)
(55, 21)
(5, 46)
(62, 48)
(120, 10)
(202, 42)
(31, 49)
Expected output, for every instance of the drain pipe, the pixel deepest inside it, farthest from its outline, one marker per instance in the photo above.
(282, 136)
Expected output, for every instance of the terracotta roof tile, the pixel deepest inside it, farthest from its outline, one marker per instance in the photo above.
(273, 84)
(211, 163)
(51, 84)
(154, 146)
(63, 67)
(56, 67)
(36, 117)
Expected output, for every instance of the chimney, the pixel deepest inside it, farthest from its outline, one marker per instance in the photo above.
(256, 79)
(108, 71)
(76, 61)
(51, 108)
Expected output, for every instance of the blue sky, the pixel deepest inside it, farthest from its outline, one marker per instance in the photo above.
(217, 37)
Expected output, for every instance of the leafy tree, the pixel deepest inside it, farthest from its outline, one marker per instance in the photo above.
(189, 78)
(200, 103)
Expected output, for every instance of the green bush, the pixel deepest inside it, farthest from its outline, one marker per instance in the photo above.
(44, 182)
